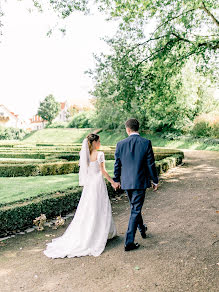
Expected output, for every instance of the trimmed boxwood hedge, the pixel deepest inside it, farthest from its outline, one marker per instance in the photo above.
(29, 161)
(20, 215)
(23, 155)
(54, 164)
(53, 168)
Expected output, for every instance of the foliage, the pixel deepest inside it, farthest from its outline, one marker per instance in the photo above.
(57, 125)
(164, 99)
(49, 108)
(11, 133)
(73, 110)
(82, 120)
(182, 28)
(34, 169)
(21, 216)
(201, 129)
(143, 76)
(206, 126)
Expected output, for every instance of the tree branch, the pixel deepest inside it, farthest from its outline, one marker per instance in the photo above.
(173, 19)
(145, 42)
(180, 38)
(209, 13)
(212, 45)
(156, 52)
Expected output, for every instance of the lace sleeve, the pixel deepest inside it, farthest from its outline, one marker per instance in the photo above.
(101, 157)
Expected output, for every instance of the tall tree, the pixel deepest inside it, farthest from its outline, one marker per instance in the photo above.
(49, 108)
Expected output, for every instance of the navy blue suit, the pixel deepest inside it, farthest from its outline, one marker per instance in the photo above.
(135, 168)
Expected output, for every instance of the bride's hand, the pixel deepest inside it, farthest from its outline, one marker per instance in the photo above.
(115, 185)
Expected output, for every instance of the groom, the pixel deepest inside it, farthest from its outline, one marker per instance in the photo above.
(133, 171)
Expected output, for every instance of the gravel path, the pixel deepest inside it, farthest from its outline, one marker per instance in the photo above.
(181, 253)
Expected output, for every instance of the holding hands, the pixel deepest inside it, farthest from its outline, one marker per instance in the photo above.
(116, 185)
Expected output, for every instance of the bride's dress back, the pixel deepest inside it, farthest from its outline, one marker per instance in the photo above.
(92, 224)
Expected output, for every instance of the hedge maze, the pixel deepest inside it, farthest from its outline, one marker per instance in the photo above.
(41, 159)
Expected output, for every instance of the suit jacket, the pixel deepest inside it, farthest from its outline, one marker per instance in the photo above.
(134, 163)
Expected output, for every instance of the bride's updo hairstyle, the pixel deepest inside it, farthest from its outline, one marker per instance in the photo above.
(90, 139)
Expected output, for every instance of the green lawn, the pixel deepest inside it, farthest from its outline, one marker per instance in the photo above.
(112, 137)
(60, 135)
(18, 188)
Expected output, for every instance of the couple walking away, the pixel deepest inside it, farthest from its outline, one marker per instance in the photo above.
(93, 223)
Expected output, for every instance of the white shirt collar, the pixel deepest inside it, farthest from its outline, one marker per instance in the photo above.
(134, 134)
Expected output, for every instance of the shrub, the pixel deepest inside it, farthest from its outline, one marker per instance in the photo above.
(21, 215)
(82, 120)
(53, 168)
(57, 125)
(201, 129)
(215, 130)
(11, 133)
(206, 125)
(22, 155)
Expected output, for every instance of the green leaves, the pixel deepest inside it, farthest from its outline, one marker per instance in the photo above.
(49, 108)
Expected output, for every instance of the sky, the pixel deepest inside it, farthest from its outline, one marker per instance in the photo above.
(33, 65)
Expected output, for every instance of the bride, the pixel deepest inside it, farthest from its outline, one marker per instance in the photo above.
(92, 224)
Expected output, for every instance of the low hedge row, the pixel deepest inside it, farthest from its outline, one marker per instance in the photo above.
(38, 150)
(28, 161)
(20, 215)
(23, 155)
(169, 162)
(53, 168)
(7, 145)
(58, 144)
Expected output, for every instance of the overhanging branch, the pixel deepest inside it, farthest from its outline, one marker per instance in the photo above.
(210, 14)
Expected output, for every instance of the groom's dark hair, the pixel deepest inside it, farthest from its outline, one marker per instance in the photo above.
(132, 124)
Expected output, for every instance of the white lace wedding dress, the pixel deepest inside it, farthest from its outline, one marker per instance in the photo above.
(92, 224)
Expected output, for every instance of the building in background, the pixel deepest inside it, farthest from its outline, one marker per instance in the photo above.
(37, 123)
(63, 115)
(10, 119)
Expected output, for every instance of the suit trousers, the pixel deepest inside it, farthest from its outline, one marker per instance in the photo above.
(136, 200)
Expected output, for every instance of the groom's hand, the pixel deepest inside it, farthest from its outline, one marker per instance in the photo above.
(155, 187)
(116, 185)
